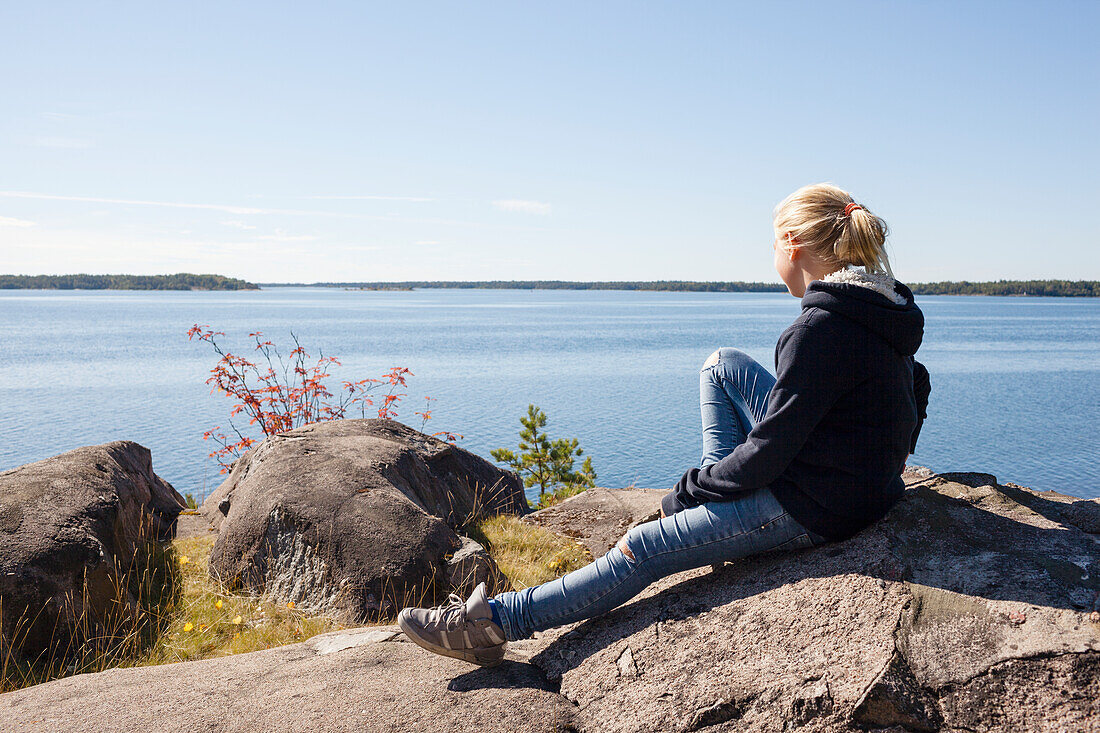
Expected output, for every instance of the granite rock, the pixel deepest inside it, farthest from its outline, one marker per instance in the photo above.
(73, 529)
(357, 518)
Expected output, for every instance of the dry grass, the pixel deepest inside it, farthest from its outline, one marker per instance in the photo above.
(145, 588)
(183, 615)
(527, 554)
(209, 621)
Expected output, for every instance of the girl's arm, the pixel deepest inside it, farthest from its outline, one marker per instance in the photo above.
(812, 372)
(921, 388)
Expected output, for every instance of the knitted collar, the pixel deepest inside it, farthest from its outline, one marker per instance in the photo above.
(879, 282)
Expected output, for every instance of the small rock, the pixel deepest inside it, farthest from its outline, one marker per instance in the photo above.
(1017, 617)
(627, 666)
(472, 565)
(812, 701)
(721, 711)
(1095, 617)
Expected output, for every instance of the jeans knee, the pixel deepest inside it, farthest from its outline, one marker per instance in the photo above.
(727, 355)
(631, 546)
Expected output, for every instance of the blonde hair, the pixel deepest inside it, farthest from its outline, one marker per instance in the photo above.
(814, 215)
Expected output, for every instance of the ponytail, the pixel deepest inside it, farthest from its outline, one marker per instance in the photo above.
(862, 241)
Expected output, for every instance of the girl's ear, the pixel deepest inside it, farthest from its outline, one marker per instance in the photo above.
(793, 247)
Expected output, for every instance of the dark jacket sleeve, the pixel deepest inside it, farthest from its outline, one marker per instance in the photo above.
(921, 388)
(807, 385)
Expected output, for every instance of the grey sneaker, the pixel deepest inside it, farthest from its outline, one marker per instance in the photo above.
(457, 629)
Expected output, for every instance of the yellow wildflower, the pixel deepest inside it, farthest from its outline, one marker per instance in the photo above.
(188, 626)
(237, 620)
(218, 604)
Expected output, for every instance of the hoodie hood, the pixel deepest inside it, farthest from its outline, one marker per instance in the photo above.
(879, 303)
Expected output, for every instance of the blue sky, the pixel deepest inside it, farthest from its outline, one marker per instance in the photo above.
(588, 140)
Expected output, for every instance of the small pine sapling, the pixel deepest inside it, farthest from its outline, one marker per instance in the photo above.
(545, 462)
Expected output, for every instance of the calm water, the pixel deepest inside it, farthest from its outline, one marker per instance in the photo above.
(1014, 380)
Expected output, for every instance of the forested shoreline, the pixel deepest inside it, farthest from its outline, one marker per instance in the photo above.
(189, 281)
(179, 281)
(1057, 288)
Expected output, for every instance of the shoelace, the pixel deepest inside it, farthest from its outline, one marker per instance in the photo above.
(451, 621)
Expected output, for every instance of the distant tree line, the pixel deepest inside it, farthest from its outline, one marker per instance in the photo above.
(688, 285)
(1088, 288)
(188, 281)
(179, 281)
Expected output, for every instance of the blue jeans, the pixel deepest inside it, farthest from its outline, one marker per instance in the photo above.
(733, 396)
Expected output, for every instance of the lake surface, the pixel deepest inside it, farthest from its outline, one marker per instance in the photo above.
(1014, 380)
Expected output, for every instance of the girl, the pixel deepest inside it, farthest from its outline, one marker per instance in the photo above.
(811, 455)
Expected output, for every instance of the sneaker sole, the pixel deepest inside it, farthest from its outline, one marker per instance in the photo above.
(464, 655)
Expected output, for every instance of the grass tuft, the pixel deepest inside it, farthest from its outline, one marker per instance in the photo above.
(209, 621)
(528, 554)
(184, 614)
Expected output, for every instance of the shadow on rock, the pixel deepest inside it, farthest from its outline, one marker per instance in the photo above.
(508, 675)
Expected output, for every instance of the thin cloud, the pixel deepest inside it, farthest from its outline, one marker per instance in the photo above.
(66, 143)
(428, 241)
(236, 224)
(533, 207)
(171, 204)
(369, 198)
(524, 207)
(281, 236)
(11, 221)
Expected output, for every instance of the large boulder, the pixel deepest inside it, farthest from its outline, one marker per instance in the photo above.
(971, 606)
(74, 531)
(357, 518)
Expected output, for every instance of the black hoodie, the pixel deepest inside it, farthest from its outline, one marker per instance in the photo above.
(844, 414)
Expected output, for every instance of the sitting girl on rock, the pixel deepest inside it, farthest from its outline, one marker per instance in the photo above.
(811, 455)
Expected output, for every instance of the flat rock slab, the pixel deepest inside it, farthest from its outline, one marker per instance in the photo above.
(968, 608)
(598, 517)
(366, 679)
(192, 524)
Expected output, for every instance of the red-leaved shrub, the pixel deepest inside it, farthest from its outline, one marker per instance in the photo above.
(278, 394)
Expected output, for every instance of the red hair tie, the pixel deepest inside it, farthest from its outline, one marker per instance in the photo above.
(851, 207)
